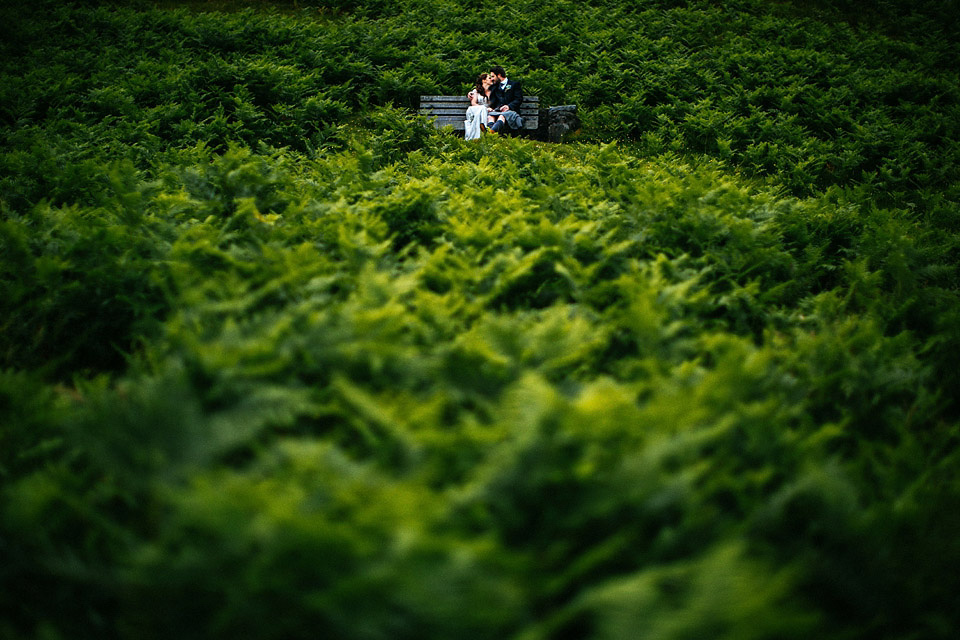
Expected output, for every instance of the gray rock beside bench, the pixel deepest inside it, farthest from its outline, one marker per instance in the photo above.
(562, 122)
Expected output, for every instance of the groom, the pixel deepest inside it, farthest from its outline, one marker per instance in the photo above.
(505, 101)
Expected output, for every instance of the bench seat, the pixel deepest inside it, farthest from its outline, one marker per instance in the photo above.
(451, 110)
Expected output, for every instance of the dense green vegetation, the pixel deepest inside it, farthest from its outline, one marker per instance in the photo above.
(278, 360)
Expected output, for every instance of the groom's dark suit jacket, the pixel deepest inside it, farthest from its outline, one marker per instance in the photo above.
(511, 95)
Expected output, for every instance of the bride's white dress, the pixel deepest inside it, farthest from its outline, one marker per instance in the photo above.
(476, 115)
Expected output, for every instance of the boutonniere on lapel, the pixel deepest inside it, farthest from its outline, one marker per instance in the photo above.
(507, 87)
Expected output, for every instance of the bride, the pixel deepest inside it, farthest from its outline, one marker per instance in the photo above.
(479, 96)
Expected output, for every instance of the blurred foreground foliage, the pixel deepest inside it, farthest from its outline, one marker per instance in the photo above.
(277, 360)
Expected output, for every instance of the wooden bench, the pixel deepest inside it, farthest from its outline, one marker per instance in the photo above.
(451, 110)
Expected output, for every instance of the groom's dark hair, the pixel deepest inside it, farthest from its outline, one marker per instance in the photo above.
(498, 71)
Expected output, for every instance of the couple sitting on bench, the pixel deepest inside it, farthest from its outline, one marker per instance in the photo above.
(494, 105)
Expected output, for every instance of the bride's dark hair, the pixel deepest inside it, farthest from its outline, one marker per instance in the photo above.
(478, 84)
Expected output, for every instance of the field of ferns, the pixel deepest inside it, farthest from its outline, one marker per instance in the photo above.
(279, 359)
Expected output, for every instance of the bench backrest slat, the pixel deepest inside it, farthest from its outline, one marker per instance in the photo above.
(463, 98)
